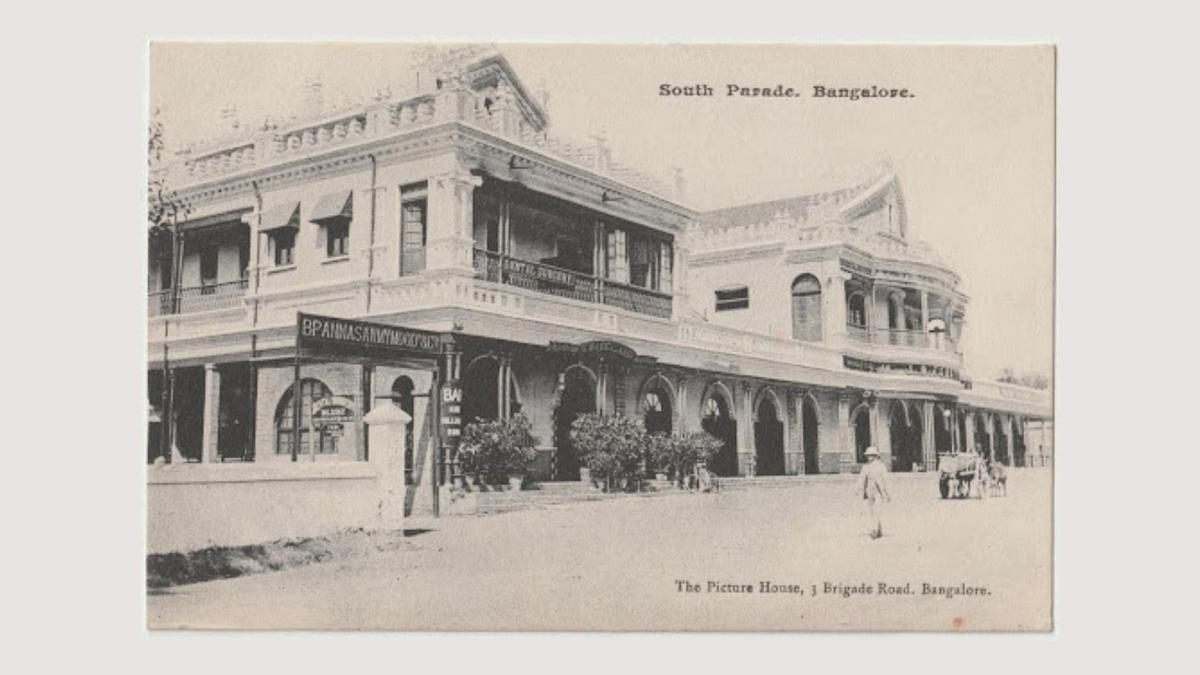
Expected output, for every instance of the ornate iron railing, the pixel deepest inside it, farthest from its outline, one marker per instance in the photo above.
(564, 283)
(202, 298)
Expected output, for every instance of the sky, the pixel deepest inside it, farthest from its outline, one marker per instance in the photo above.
(973, 147)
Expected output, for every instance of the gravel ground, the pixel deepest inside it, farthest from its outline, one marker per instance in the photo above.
(621, 565)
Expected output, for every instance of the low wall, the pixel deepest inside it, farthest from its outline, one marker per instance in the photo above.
(194, 506)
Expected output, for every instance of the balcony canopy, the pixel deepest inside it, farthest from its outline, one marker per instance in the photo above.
(281, 216)
(333, 205)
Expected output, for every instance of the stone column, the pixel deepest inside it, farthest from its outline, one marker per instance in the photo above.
(968, 443)
(679, 272)
(924, 318)
(873, 417)
(212, 411)
(367, 391)
(844, 436)
(991, 434)
(746, 431)
(602, 388)
(450, 220)
(682, 417)
(1008, 437)
(504, 391)
(833, 314)
(929, 423)
(795, 405)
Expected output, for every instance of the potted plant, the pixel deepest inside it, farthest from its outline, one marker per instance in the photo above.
(499, 450)
(663, 450)
(611, 447)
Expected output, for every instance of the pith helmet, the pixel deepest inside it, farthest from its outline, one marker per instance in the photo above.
(872, 452)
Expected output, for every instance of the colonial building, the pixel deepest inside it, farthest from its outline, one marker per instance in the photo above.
(558, 281)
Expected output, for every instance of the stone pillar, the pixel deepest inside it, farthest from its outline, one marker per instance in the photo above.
(1008, 438)
(602, 388)
(382, 265)
(924, 318)
(386, 427)
(682, 416)
(450, 220)
(968, 443)
(795, 459)
(991, 434)
(929, 424)
(873, 417)
(746, 447)
(833, 314)
(367, 390)
(679, 272)
(212, 412)
(844, 436)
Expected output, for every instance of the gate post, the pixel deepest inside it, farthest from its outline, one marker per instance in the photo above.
(385, 432)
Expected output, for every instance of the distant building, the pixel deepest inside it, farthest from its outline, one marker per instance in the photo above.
(799, 331)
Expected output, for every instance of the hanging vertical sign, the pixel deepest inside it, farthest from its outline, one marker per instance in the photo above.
(451, 411)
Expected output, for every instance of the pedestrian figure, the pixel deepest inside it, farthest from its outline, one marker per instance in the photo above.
(874, 490)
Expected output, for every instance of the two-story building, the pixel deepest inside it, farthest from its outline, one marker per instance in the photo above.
(799, 331)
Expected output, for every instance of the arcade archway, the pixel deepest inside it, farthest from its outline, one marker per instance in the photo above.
(862, 433)
(768, 438)
(943, 434)
(811, 436)
(577, 396)
(905, 431)
(1002, 451)
(715, 418)
(657, 414)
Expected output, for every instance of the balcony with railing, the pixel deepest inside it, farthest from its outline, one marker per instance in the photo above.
(542, 278)
(203, 298)
(895, 337)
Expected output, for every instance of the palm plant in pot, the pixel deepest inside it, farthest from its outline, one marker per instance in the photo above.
(499, 450)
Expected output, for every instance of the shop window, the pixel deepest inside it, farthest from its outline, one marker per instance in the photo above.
(283, 244)
(733, 298)
(310, 391)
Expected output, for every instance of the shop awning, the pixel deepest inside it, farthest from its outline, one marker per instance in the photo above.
(333, 205)
(280, 216)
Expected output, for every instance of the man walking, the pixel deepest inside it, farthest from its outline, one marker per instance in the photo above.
(874, 490)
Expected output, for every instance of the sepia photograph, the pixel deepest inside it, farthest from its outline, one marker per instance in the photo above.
(506, 336)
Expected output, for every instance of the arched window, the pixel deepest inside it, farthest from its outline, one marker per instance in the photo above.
(856, 312)
(806, 308)
(310, 390)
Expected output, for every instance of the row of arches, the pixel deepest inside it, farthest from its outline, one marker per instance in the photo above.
(486, 378)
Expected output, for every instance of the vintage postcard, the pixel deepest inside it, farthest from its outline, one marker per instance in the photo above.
(600, 337)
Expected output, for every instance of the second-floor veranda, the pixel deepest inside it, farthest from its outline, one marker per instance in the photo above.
(541, 243)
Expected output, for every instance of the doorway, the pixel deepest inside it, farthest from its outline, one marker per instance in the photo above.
(768, 439)
(578, 397)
